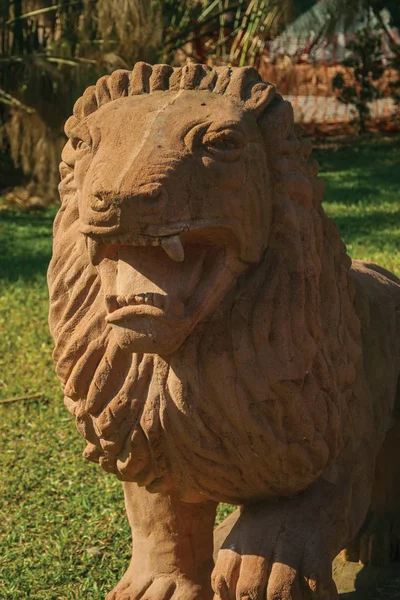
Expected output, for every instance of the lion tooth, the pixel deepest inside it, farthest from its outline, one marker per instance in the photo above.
(94, 250)
(158, 300)
(142, 240)
(148, 298)
(122, 301)
(173, 247)
(112, 303)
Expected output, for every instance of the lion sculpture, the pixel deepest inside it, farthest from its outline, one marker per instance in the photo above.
(216, 343)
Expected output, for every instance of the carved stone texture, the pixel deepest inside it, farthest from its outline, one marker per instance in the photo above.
(216, 343)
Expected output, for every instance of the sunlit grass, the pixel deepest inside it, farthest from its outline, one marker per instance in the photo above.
(363, 196)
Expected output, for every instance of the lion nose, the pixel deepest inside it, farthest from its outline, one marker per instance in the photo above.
(150, 193)
(101, 202)
(147, 199)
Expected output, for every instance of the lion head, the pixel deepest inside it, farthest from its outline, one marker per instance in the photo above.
(200, 299)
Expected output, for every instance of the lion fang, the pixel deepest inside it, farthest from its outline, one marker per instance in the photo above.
(173, 247)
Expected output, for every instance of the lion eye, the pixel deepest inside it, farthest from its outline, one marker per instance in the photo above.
(80, 145)
(226, 145)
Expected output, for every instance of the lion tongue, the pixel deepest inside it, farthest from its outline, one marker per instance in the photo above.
(142, 270)
(173, 247)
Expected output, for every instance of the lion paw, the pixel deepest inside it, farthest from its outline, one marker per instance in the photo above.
(268, 556)
(254, 578)
(163, 587)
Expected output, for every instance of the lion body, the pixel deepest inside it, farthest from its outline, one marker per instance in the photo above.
(265, 392)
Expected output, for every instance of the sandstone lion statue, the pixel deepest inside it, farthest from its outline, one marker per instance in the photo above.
(216, 343)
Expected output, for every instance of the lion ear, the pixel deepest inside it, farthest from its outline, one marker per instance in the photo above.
(260, 97)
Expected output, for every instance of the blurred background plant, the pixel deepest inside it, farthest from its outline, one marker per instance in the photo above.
(367, 63)
(52, 49)
(367, 68)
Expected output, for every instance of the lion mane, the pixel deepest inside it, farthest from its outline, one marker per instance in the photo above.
(254, 402)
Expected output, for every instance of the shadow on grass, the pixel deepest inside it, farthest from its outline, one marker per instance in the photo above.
(377, 229)
(25, 243)
(361, 172)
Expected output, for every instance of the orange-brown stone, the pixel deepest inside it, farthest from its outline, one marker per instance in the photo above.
(216, 343)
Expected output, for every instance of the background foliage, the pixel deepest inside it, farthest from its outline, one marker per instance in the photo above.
(50, 50)
(367, 67)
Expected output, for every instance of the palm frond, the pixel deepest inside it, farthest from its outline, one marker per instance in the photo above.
(50, 50)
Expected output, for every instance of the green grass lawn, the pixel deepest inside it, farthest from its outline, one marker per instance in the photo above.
(63, 532)
(363, 196)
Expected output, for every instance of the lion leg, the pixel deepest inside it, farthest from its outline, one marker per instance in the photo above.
(378, 542)
(284, 550)
(172, 545)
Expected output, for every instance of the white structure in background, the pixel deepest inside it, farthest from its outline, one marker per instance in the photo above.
(316, 40)
(313, 37)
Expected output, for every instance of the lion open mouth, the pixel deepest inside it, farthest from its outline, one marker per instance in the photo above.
(172, 278)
